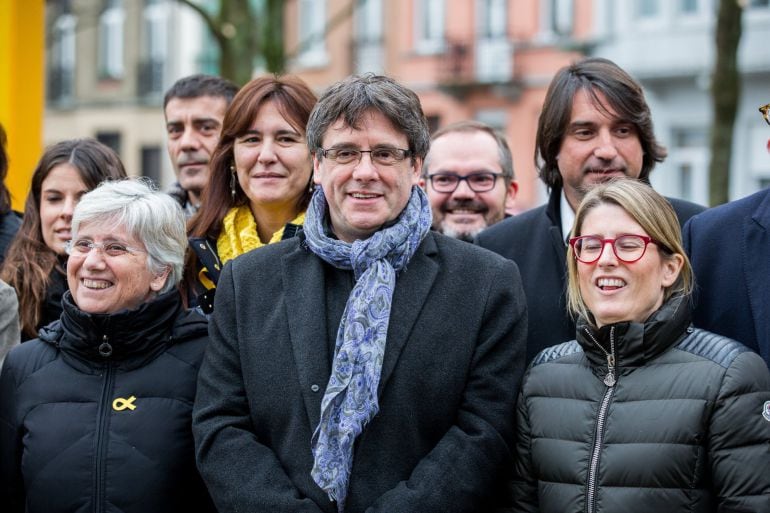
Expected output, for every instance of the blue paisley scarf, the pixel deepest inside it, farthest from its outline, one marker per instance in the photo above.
(350, 399)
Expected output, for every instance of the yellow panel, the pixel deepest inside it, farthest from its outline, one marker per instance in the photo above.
(21, 89)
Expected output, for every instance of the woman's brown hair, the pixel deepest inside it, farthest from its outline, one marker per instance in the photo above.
(29, 262)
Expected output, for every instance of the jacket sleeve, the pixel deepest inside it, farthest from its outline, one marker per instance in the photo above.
(739, 437)
(241, 473)
(524, 483)
(9, 320)
(468, 466)
(11, 483)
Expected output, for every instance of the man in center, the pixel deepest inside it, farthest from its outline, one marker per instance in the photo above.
(369, 364)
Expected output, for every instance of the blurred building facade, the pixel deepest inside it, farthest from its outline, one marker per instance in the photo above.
(669, 47)
(109, 62)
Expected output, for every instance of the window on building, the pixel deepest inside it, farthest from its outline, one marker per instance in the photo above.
(429, 26)
(493, 15)
(369, 27)
(111, 36)
(155, 33)
(493, 50)
(647, 8)
(61, 72)
(689, 156)
(688, 7)
(556, 17)
(111, 139)
(496, 118)
(312, 23)
(152, 161)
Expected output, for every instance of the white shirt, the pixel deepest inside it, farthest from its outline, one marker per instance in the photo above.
(567, 217)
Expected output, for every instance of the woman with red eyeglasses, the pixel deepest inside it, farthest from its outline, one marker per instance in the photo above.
(642, 412)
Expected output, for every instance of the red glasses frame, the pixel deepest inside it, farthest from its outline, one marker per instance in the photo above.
(574, 241)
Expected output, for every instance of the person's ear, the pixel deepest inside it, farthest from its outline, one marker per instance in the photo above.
(672, 266)
(159, 280)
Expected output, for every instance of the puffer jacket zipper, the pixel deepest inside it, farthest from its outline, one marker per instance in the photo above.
(102, 428)
(596, 452)
(609, 381)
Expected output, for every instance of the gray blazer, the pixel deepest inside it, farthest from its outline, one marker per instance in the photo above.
(9, 320)
(442, 440)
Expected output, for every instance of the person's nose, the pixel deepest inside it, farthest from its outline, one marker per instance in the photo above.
(365, 170)
(607, 257)
(463, 191)
(94, 259)
(267, 151)
(68, 208)
(605, 146)
(189, 139)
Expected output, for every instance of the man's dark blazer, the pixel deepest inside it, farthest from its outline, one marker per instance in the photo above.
(534, 241)
(453, 361)
(729, 247)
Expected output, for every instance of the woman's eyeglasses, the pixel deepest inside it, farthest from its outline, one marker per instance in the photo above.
(627, 248)
(82, 247)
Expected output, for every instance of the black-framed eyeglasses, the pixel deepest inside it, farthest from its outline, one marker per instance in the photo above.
(83, 247)
(478, 182)
(765, 110)
(384, 156)
(628, 248)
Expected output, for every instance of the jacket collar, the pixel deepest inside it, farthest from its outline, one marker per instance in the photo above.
(637, 343)
(129, 337)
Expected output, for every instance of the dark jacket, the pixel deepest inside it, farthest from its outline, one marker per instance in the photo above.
(95, 415)
(451, 369)
(685, 428)
(729, 247)
(535, 242)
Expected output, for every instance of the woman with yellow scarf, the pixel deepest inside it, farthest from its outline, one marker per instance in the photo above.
(260, 181)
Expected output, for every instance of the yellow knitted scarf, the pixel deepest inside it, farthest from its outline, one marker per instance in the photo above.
(239, 233)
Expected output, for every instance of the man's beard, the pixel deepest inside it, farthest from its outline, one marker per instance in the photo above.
(465, 235)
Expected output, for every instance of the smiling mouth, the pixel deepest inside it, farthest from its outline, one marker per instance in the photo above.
(464, 212)
(364, 196)
(610, 284)
(96, 284)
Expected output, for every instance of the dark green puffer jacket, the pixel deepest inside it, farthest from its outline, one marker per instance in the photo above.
(681, 430)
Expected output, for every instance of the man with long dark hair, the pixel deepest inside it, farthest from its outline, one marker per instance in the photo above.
(595, 125)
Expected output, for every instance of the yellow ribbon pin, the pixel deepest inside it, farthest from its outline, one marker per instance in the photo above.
(120, 404)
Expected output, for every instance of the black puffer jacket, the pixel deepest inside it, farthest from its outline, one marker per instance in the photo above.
(95, 415)
(681, 430)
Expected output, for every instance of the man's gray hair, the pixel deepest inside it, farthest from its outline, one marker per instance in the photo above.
(353, 97)
(148, 215)
(469, 126)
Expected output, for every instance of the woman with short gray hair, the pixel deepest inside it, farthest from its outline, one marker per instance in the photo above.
(99, 406)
